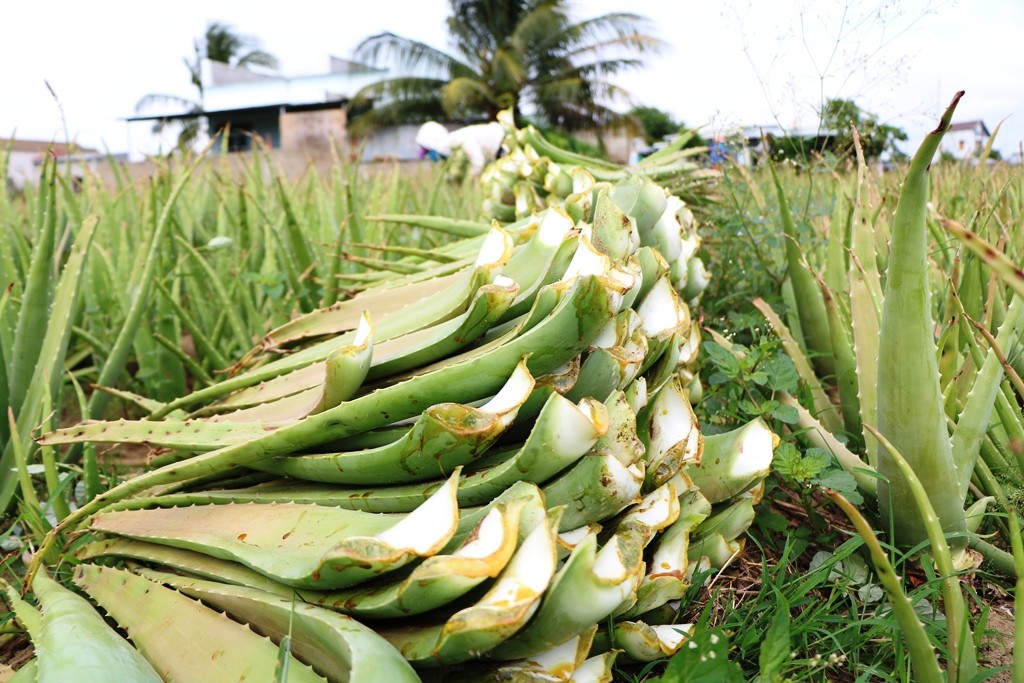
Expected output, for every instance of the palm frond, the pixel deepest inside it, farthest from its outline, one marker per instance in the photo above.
(409, 56)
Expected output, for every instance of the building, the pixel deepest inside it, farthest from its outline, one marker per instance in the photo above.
(965, 139)
(25, 158)
(306, 113)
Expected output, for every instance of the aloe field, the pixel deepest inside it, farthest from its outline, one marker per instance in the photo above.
(567, 421)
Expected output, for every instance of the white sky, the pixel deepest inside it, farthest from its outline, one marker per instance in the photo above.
(730, 62)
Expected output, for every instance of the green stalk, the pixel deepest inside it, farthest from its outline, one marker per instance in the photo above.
(1018, 600)
(922, 653)
(810, 305)
(910, 403)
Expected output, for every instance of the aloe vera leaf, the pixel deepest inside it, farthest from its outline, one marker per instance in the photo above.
(51, 352)
(1011, 274)
(974, 418)
(614, 230)
(621, 440)
(823, 408)
(618, 486)
(922, 654)
(215, 283)
(444, 436)
(74, 642)
(732, 462)
(395, 355)
(910, 405)
(963, 658)
(28, 616)
(442, 578)
(810, 307)
(865, 299)
(596, 669)
(844, 357)
(837, 244)
(668, 429)
(729, 522)
(592, 583)
(496, 616)
(335, 645)
(715, 550)
(452, 226)
(429, 311)
(645, 643)
(561, 435)
(306, 546)
(36, 294)
(28, 673)
(346, 368)
(182, 639)
(585, 308)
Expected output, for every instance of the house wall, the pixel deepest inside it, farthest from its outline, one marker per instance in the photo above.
(393, 143)
(312, 129)
(962, 144)
(22, 169)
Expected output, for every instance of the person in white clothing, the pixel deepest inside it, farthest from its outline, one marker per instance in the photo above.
(480, 143)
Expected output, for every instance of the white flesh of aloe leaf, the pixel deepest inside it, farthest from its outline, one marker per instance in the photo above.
(346, 368)
(502, 611)
(645, 643)
(181, 638)
(662, 312)
(587, 588)
(596, 669)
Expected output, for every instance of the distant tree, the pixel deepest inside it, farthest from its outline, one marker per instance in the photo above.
(657, 124)
(219, 43)
(875, 138)
(506, 54)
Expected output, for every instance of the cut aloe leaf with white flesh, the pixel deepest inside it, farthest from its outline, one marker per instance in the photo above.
(668, 428)
(597, 487)
(719, 552)
(645, 643)
(730, 522)
(555, 664)
(395, 355)
(620, 441)
(73, 642)
(429, 311)
(344, 315)
(181, 638)
(586, 305)
(562, 434)
(306, 546)
(662, 312)
(596, 669)
(335, 645)
(587, 588)
(503, 610)
(443, 437)
(734, 461)
(345, 369)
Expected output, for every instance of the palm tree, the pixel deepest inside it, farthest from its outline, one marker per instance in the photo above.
(219, 43)
(519, 54)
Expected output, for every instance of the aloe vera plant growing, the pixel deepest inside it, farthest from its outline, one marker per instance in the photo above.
(430, 473)
(876, 330)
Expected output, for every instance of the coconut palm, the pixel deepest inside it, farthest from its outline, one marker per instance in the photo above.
(220, 43)
(520, 54)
